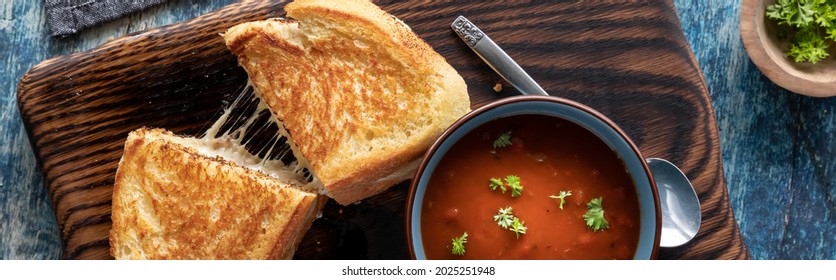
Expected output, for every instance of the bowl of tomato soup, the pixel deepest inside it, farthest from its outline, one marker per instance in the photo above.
(533, 177)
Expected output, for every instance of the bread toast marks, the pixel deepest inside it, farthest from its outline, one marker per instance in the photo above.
(172, 202)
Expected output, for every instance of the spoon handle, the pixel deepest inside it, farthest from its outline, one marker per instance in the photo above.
(495, 57)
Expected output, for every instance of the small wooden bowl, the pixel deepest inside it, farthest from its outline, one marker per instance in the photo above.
(766, 50)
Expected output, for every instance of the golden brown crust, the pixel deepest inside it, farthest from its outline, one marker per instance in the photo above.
(301, 220)
(365, 97)
(169, 202)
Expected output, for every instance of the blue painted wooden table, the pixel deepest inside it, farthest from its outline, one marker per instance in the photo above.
(777, 147)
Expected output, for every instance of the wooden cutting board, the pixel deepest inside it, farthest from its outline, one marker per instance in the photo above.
(628, 60)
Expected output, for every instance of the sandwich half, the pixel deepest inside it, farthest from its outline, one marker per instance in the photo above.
(358, 94)
(176, 198)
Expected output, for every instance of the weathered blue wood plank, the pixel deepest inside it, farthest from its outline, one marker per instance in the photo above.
(27, 226)
(811, 219)
(777, 146)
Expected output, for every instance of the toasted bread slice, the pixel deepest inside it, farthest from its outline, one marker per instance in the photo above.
(359, 95)
(171, 201)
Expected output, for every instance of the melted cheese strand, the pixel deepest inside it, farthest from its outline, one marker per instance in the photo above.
(230, 144)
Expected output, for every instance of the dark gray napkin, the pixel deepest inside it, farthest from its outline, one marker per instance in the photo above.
(66, 17)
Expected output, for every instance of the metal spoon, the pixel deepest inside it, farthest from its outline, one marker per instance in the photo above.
(496, 58)
(681, 214)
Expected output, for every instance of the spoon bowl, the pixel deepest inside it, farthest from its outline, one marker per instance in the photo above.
(681, 213)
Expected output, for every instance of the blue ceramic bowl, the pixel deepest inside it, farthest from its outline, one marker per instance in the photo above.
(595, 122)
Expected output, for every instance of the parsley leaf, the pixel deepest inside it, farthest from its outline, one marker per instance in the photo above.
(594, 216)
(518, 227)
(779, 11)
(516, 187)
(562, 196)
(804, 16)
(831, 32)
(510, 181)
(814, 25)
(808, 45)
(497, 183)
(826, 15)
(505, 218)
(458, 244)
(503, 141)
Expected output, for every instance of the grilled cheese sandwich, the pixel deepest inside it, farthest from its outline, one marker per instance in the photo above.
(173, 199)
(355, 95)
(358, 94)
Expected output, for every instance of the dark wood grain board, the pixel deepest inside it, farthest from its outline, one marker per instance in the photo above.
(628, 60)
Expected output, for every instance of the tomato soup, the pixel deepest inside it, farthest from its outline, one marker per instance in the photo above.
(548, 155)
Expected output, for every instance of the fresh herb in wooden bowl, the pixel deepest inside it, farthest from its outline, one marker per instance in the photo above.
(809, 24)
(792, 43)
